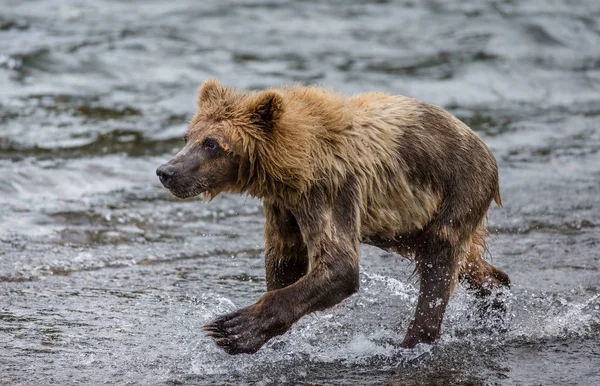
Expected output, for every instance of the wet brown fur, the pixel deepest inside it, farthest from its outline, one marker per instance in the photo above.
(332, 171)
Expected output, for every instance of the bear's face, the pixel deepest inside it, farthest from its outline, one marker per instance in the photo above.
(221, 143)
(206, 165)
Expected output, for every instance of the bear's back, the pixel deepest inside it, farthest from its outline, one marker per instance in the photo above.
(412, 157)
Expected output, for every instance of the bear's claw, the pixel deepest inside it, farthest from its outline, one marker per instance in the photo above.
(240, 332)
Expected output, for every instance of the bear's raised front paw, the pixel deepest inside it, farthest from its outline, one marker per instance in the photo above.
(240, 332)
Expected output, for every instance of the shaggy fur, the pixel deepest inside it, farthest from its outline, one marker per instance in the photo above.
(332, 171)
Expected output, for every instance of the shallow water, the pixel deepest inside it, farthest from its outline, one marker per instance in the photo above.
(105, 278)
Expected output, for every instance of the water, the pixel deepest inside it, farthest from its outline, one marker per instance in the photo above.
(105, 278)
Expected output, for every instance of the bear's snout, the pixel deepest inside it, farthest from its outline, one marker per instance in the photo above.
(165, 173)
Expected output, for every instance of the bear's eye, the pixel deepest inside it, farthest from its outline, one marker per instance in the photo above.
(211, 144)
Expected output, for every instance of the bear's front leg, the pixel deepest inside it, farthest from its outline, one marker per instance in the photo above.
(330, 282)
(247, 329)
(286, 254)
(332, 239)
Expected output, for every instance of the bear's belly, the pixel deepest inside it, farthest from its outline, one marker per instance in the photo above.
(390, 216)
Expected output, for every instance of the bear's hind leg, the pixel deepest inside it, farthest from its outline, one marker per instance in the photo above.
(482, 279)
(480, 276)
(437, 265)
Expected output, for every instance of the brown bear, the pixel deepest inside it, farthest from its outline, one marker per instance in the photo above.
(334, 172)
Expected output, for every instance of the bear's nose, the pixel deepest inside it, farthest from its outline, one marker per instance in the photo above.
(165, 173)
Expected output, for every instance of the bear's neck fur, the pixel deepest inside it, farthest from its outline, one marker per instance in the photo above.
(296, 147)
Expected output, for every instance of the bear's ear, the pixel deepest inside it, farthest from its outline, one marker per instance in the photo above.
(267, 109)
(212, 91)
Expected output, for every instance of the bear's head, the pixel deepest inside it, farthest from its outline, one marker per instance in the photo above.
(223, 142)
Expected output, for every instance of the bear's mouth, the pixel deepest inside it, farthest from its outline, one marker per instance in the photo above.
(207, 196)
(189, 189)
(189, 193)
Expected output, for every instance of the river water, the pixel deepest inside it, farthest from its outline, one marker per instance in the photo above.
(105, 278)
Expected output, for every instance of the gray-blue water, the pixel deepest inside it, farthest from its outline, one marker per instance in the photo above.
(104, 278)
